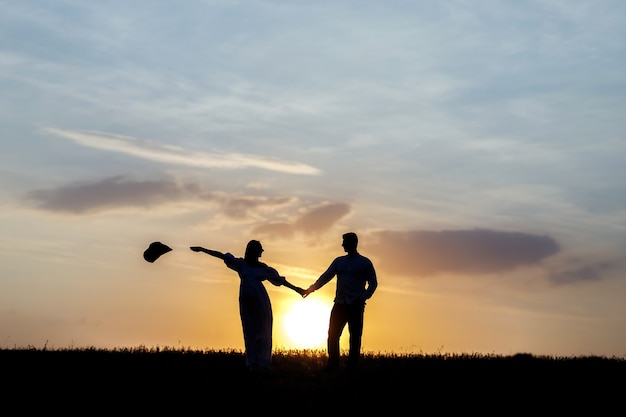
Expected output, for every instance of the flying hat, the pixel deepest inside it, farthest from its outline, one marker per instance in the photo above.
(155, 250)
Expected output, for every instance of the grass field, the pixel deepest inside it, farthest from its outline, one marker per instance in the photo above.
(162, 381)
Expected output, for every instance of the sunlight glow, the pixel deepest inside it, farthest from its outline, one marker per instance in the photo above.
(306, 324)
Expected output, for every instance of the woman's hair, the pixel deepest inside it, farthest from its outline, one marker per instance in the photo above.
(253, 249)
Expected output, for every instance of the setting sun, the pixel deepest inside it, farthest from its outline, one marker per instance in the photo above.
(306, 324)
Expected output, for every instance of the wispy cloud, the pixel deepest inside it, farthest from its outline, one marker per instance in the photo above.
(315, 220)
(146, 149)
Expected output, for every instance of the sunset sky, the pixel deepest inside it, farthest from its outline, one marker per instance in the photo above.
(476, 147)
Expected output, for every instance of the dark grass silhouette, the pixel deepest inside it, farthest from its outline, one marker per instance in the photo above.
(179, 381)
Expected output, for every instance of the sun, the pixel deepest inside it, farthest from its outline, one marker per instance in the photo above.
(306, 324)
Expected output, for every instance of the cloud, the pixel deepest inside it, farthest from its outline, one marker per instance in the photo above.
(467, 252)
(119, 192)
(314, 221)
(173, 155)
(581, 274)
(238, 207)
(110, 193)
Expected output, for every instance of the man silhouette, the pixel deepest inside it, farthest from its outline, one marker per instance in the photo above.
(356, 283)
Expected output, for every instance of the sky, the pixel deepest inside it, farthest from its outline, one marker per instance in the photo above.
(476, 147)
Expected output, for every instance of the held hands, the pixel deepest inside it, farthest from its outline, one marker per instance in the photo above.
(305, 293)
(296, 288)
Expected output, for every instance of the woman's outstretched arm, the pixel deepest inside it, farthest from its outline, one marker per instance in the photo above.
(211, 252)
(277, 279)
(293, 287)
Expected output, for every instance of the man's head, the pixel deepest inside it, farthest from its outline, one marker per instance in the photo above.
(350, 242)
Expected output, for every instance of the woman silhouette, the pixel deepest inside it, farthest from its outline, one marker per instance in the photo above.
(255, 307)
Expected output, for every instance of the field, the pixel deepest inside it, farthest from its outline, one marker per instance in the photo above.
(140, 381)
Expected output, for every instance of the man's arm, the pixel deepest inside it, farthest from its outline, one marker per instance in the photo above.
(323, 279)
(372, 281)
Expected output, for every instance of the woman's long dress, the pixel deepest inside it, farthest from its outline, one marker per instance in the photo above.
(255, 310)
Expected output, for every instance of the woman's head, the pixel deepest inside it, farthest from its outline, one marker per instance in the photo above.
(253, 249)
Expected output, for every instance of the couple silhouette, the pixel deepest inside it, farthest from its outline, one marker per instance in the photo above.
(356, 283)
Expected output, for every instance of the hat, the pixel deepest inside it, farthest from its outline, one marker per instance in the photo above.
(155, 250)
